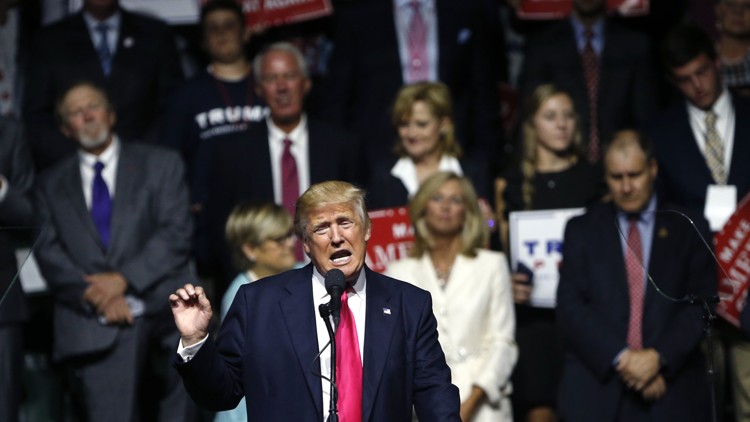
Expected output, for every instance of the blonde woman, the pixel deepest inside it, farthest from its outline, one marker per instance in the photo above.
(422, 114)
(471, 293)
(551, 173)
(262, 241)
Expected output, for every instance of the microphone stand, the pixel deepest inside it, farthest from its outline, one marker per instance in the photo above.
(333, 412)
(708, 328)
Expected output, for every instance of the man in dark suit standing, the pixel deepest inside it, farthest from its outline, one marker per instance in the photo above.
(631, 353)
(132, 56)
(388, 356)
(115, 239)
(703, 150)
(605, 67)
(277, 159)
(16, 180)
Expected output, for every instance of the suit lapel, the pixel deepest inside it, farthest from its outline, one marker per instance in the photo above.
(301, 328)
(381, 318)
(87, 57)
(127, 173)
(612, 238)
(740, 148)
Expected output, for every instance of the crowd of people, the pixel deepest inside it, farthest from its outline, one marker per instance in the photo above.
(246, 183)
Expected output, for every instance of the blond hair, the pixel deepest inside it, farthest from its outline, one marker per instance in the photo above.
(474, 233)
(252, 224)
(437, 98)
(332, 192)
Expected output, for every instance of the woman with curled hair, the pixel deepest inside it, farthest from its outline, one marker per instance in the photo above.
(423, 116)
(551, 173)
(471, 293)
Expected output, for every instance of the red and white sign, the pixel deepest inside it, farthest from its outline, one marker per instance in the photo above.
(732, 247)
(280, 12)
(558, 9)
(392, 237)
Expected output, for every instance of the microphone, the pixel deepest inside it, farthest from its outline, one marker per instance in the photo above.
(335, 286)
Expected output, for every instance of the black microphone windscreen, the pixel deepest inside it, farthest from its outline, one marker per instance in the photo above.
(335, 280)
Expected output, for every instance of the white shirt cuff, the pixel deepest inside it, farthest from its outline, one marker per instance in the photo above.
(187, 353)
(4, 188)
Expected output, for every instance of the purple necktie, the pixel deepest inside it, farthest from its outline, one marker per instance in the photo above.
(101, 204)
(590, 63)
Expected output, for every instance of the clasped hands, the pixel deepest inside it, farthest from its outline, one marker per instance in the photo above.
(639, 370)
(106, 292)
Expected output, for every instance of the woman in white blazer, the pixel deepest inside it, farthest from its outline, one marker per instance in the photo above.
(471, 293)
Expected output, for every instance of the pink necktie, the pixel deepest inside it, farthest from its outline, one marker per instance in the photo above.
(417, 43)
(290, 189)
(636, 286)
(590, 63)
(348, 366)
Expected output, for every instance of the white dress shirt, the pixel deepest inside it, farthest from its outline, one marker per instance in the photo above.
(110, 158)
(725, 119)
(299, 149)
(113, 32)
(406, 171)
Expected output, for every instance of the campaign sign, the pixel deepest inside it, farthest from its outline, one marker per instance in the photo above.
(280, 12)
(558, 9)
(536, 242)
(391, 238)
(732, 247)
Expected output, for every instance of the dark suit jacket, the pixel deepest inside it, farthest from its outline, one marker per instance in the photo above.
(241, 172)
(16, 217)
(145, 70)
(266, 349)
(593, 311)
(626, 78)
(365, 73)
(683, 173)
(149, 241)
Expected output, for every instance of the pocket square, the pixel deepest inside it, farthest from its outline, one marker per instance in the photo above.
(464, 35)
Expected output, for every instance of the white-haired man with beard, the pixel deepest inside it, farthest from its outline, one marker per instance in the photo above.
(115, 241)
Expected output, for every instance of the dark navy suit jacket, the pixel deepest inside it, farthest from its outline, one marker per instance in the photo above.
(593, 312)
(267, 346)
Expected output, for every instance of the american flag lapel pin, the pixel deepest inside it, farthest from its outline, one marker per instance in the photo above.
(386, 311)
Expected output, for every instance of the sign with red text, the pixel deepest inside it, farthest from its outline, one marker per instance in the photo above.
(732, 247)
(536, 241)
(391, 238)
(280, 12)
(558, 9)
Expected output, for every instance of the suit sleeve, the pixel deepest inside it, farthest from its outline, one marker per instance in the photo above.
(168, 247)
(213, 378)
(16, 208)
(585, 331)
(683, 333)
(435, 398)
(498, 351)
(62, 274)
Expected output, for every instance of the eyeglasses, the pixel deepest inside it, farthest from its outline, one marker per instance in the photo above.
(81, 111)
(283, 238)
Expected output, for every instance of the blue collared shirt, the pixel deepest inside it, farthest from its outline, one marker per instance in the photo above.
(579, 31)
(646, 222)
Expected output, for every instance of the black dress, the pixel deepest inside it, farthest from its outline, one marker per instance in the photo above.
(540, 356)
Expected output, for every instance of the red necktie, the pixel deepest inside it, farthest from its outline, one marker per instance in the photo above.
(590, 63)
(290, 188)
(636, 286)
(417, 43)
(348, 366)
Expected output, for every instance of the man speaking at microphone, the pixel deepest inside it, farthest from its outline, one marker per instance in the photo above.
(389, 360)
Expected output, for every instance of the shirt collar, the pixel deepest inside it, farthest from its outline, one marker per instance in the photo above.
(359, 285)
(113, 21)
(722, 106)
(579, 30)
(424, 4)
(106, 157)
(646, 216)
(405, 171)
(276, 133)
